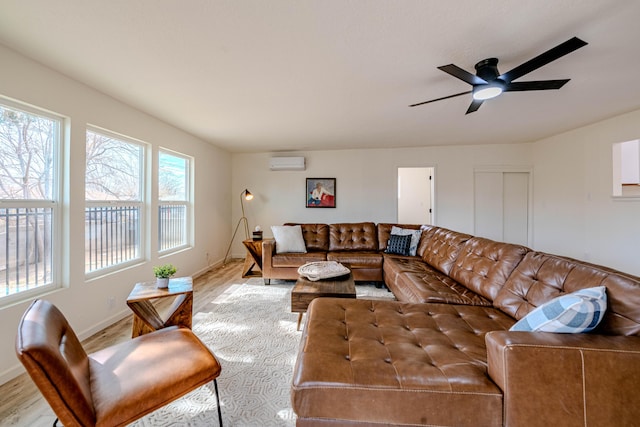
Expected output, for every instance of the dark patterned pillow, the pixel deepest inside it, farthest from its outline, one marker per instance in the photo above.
(398, 245)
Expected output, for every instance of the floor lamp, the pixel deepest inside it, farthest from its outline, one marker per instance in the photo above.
(245, 195)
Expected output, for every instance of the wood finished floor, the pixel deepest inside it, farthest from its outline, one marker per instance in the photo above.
(24, 406)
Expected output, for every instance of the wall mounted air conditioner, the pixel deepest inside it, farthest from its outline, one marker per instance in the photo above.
(286, 164)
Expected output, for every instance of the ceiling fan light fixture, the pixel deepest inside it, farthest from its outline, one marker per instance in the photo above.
(488, 91)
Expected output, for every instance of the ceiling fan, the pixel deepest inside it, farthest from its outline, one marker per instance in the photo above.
(488, 82)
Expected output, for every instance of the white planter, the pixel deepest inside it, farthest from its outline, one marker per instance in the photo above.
(162, 283)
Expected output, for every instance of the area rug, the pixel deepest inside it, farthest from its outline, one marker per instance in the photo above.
(253, 333)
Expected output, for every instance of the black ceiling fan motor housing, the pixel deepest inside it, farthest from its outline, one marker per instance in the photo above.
(487, 69)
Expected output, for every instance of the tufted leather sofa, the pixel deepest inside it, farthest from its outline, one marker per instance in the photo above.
(442, 354)
(361, 245)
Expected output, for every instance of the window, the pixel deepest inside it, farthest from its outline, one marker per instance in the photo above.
(29, 145)
(173, 195)
(114, 201)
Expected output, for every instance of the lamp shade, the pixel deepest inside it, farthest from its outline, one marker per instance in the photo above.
(247, 194)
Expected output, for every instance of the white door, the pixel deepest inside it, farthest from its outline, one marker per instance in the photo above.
(415, 195)
(501, 201)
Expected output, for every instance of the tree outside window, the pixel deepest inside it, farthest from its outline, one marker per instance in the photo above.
(173, 195)
(29, 143)
(113, 193)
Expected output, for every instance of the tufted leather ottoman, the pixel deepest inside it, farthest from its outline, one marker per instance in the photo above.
(391, 363)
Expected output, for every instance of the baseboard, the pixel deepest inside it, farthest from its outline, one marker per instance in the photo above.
(104, 323)
(207, 269)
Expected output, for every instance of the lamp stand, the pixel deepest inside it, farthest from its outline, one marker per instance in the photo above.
(246, 230)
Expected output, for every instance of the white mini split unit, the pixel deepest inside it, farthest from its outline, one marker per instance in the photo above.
(286, 164)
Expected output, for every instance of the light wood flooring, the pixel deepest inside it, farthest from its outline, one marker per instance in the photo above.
(23, 405)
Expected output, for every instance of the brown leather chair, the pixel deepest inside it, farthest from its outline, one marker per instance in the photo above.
(114, 386)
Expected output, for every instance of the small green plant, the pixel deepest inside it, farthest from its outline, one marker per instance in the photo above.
(164, 271)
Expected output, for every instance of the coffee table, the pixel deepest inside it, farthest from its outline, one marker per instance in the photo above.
(145, 315)
(306, 291)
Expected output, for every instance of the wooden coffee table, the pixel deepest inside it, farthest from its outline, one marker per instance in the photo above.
(306, 291)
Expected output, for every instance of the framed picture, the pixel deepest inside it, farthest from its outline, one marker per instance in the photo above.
(321, 193)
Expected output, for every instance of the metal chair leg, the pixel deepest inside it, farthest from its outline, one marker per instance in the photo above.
(215, 385)
(55, 423)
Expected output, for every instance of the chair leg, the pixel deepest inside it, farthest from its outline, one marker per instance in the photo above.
(215, 385)
(55, 423)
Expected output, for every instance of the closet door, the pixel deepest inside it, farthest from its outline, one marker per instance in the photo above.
(501, 201)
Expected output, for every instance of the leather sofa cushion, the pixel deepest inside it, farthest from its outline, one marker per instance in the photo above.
(442, 248)
(434, 287)
(316, 236)
(296, 259)
(357, 259)
(484, 265)
(427, 234)
(361, 236)
(541, 277)
(397, 363)
(394, 265)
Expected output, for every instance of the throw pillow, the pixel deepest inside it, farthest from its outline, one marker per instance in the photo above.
(398, 245)
(415, 237)
(288, 239)
(577, 312)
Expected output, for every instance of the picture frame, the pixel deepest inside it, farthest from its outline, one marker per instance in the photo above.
(320, 193)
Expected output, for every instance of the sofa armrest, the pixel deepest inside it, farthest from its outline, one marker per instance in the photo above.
(566, 379)
(268, 249)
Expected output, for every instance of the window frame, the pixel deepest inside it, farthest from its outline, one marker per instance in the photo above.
(187, 203)
(54, 203)
(141, 203)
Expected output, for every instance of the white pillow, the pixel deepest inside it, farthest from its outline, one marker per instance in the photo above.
(415, 237)
(288, 239)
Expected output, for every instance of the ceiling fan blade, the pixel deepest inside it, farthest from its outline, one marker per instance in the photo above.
(475, 104)
(543, 59)
(463, 75)
(535, 85)
(440, 99)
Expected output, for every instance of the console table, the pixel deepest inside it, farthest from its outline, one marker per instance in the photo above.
(145, 315)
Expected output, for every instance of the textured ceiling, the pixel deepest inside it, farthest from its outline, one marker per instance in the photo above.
(288, 75)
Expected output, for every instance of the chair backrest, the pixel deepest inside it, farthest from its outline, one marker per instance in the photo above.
(54, 358)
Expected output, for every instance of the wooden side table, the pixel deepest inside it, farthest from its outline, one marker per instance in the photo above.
(253, 258)
(145, 315)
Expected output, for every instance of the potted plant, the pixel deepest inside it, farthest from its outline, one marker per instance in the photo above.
(163, 273)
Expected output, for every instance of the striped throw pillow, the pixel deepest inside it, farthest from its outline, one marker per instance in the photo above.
(577, 312)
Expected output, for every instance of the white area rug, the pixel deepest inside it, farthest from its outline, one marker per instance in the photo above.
(252, 331)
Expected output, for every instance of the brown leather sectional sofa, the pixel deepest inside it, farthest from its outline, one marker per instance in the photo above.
(443, 355)
(358, 244)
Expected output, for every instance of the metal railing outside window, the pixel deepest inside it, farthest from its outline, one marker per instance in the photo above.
(112, 236)
(26, 236)
(172, 226)
(174, 182)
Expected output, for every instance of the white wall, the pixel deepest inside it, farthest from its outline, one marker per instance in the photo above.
(85, 302)
(366, 184)
(574, 211)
